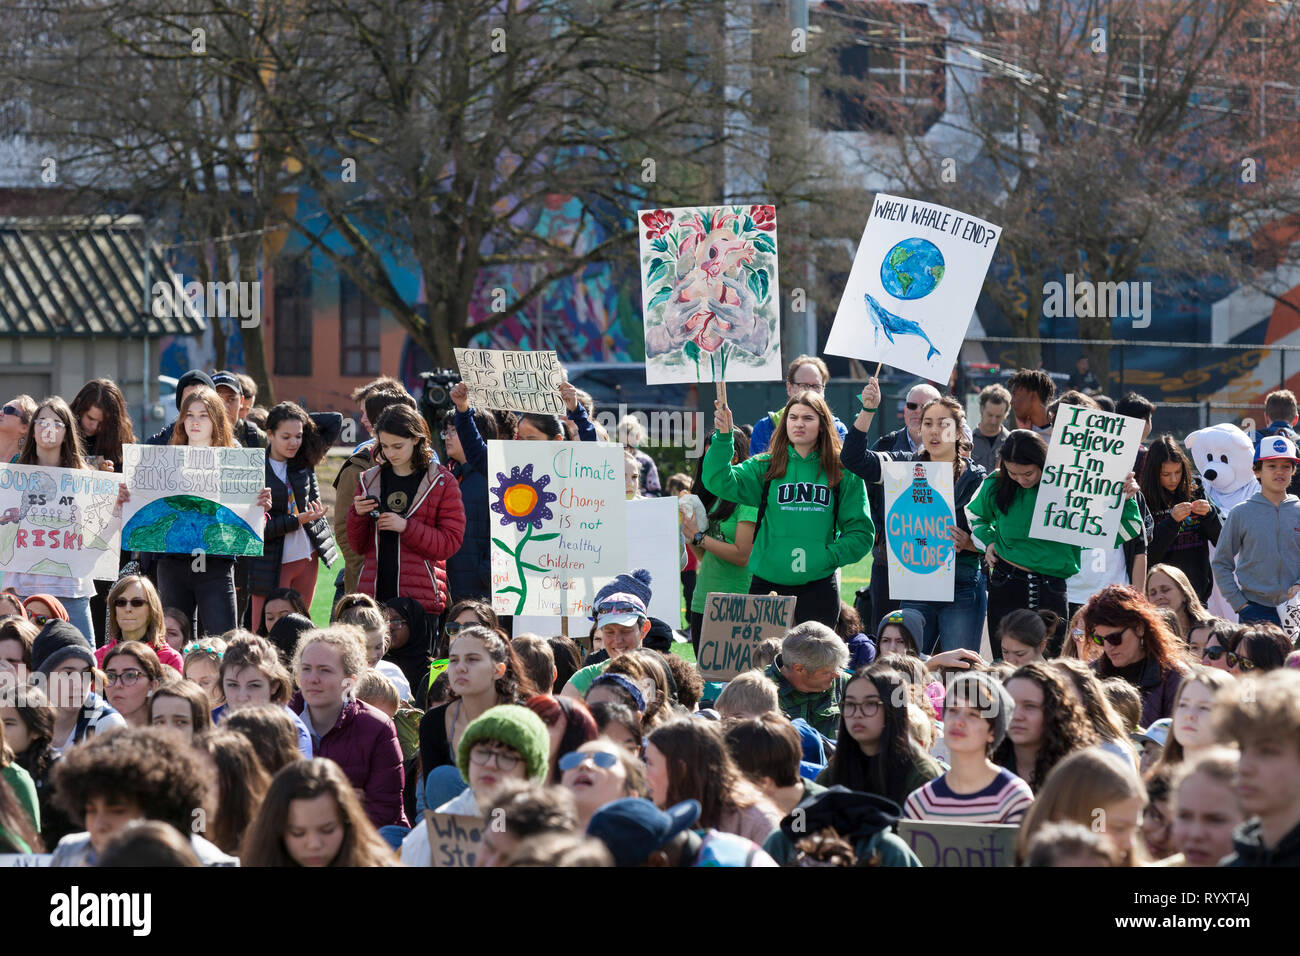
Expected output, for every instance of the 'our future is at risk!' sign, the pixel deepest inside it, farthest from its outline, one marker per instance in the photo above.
(1081, 495)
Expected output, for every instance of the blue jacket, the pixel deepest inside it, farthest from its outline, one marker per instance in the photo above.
(469, 570)
(766, 426)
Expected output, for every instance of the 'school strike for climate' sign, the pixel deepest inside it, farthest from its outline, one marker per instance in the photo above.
(1081, 495)
(188, 500)
(734, 626)
(558, 528)
(512, 381)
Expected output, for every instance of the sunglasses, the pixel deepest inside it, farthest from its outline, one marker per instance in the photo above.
(1213, 653)
(42, 619)
(618, 607)
(912, 406)
(1236, 660)
(13, 410)
(129, 602)
(451, 627)
(126, 678)
(573, 760)
(1114, 640)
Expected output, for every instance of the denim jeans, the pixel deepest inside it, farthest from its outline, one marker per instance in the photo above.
(959, 622)
(78, 609)
(1250, 613)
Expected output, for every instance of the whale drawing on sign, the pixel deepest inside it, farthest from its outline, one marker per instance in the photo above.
(891, 324)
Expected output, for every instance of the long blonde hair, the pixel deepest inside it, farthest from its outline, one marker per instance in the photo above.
(1085, 782)
(223, 435)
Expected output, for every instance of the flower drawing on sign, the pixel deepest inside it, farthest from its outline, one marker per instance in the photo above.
(522, 500)
(704, 276)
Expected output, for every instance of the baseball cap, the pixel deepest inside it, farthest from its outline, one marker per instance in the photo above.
(1157, 733)
(619, 608)
(633, 828)
(229, 380)
(1276, 447)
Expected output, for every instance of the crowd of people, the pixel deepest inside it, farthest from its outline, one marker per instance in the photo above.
(195, 714)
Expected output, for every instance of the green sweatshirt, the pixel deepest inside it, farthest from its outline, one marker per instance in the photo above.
(1009, 532)
(796, 543)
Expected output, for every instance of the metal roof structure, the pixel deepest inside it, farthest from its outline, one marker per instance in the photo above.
(84, 276)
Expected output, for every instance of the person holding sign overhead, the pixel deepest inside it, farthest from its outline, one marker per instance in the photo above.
(1025, 572)
(959, 623)
(816, 513)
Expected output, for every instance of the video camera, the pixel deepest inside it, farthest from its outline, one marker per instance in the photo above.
(435, 399)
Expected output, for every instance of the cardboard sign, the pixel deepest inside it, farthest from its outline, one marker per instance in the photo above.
(654, 543)
(59, 521)
(25, 859)
(188, 500)
(454, 839)
(919, 512)
(1081, 497)
(960, 844)
(513, 381)
(711, 303)
(912, 290)
(558, 527)
(1289, 613)
(734, 626)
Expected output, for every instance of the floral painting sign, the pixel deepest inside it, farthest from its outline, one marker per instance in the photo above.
(710, 295)
(558, 524)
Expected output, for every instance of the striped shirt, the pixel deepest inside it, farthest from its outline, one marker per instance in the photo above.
(1005, 800)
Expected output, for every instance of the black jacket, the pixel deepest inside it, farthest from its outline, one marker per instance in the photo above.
(1186, 546)
(264, 570)
(1248, 842)
(469, 570)
(894, 441)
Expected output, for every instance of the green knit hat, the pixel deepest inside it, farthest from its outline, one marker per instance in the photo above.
(519, 729)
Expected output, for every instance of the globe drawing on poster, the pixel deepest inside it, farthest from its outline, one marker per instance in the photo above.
(912, 269)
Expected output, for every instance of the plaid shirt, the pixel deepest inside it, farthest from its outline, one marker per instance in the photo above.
(821, 709)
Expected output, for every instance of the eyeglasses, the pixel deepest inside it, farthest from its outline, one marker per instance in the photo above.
(451, 627)
(126, 678)
(867, 708)
(617, 607)
(132, 602)
(50, 423)
(396, 622)
(573, 760)
(503, 760)
(1236, 660)
(1213, 653)
(1114, 640)
(819, 387)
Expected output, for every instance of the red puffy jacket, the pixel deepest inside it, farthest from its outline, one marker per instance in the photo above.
(435, 527)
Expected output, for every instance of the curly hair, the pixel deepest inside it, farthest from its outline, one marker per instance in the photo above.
(636, 668)
(1105, 720)
(1120, 605)
(347, 639)
(1065, 725)
(512, 687)
(313, 447)
(157, 772)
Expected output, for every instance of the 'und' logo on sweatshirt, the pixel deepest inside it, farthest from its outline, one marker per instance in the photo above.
(803, 491)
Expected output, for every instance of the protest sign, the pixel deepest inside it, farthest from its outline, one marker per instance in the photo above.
(734, 626)
(1081, 495)
(1289, 613)
(559, 532)
(919, 512)
(454, 839)
(913, 286)
(654, 543)
(187, 500)
(960, 844)
(709, 293)
(25, 859)
(512, 381)
(59, 521)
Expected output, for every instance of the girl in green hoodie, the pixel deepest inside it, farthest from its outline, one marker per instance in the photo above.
(812, 514)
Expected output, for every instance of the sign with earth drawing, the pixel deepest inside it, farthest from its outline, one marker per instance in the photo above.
(186, 500)
(918, 515)
(558, 524)
(913, 286)
(712, 306)
(59, 521)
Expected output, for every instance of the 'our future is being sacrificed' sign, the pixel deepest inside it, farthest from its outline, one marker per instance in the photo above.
(512, 381)
(1081, 495)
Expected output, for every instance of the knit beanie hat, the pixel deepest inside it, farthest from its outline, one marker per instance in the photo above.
(193, 377)
(989, 695)
(59, 641)
(910, 620)
(637, 584)
(519, 729)
(53, 603)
